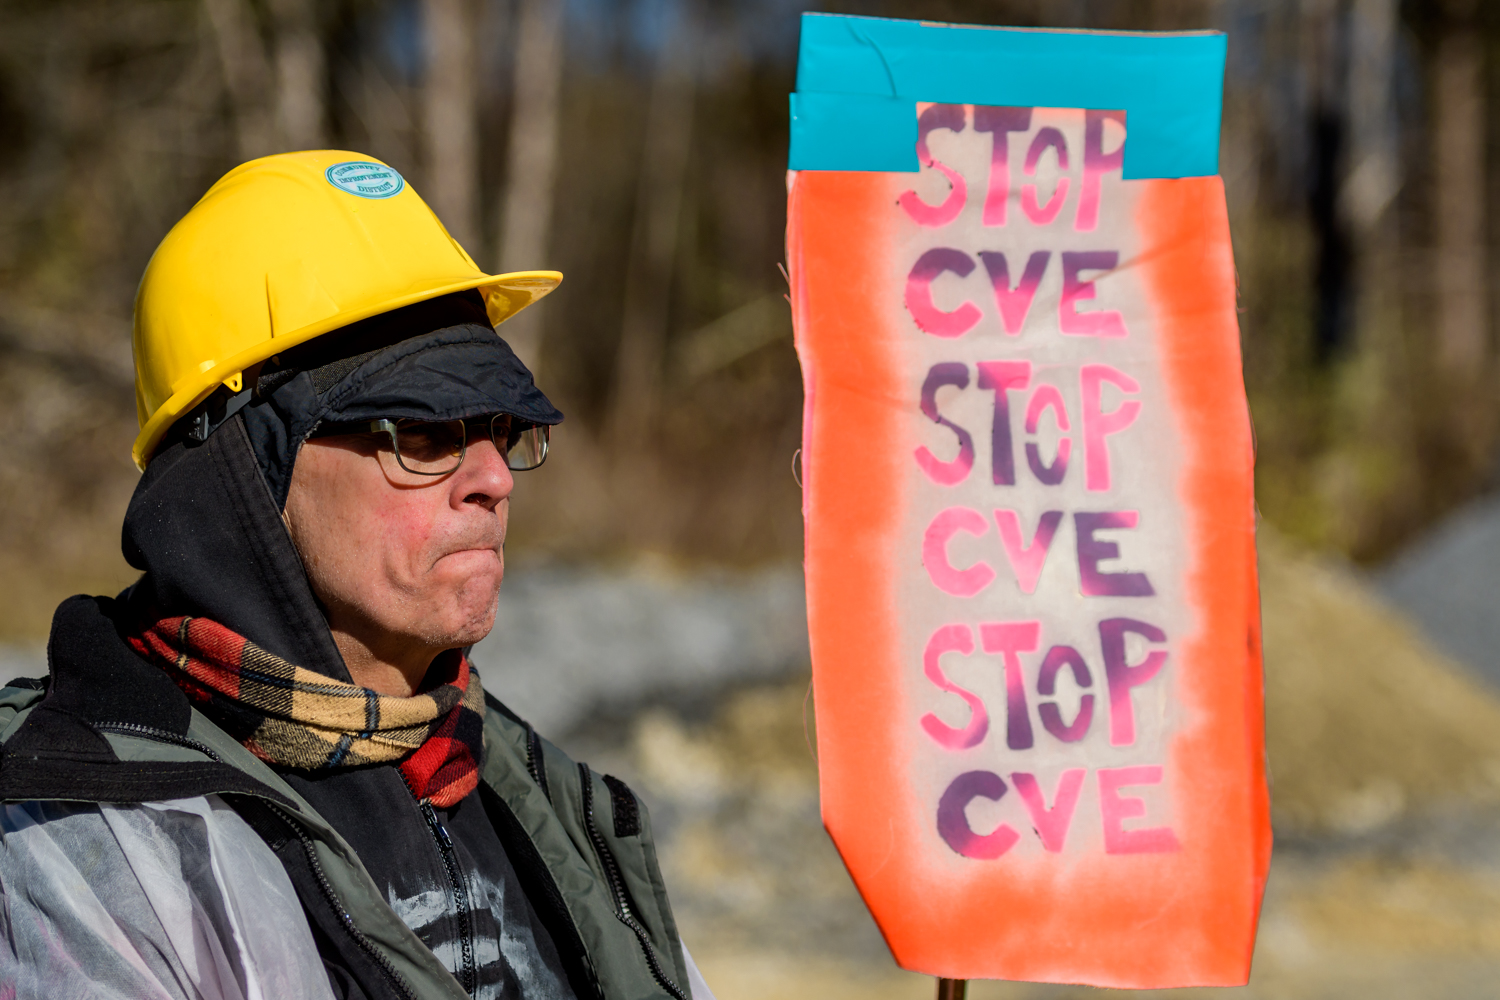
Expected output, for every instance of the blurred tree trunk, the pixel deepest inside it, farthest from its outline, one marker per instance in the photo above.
(1328, 60)
(449, 120)
(277, 98)
(1380, 483)
(1373, 176)
(300, 74)
(653, 243)
(521, 241)
(1459, 132)
(247, 75)
(1458, 145)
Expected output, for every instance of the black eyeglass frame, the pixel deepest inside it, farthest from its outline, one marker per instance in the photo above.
(537, 436)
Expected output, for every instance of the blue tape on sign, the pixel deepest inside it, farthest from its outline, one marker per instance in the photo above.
(880, 133)
(853, 72)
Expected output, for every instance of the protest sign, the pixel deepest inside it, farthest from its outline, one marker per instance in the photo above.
(1027, 471)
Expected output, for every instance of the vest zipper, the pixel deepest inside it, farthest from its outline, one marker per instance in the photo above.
(617, 887)
(470, 975)
(159, 736)
(535, 763)
(164, 736)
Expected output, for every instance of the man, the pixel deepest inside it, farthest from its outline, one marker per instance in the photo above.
(268, 769)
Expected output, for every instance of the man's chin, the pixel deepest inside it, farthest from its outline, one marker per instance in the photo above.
(472, 615)
(471, 577)
(460, 603)
(459, 632)
(470, 636)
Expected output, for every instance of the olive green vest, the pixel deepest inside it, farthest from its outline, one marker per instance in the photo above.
(594, 839)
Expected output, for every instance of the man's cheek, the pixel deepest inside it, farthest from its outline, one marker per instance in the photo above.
(407, 523)
(406, 534)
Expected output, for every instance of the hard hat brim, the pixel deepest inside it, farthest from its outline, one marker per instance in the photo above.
(505, 295)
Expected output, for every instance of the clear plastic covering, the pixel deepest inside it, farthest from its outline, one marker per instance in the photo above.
(697, 988)
(176, 899)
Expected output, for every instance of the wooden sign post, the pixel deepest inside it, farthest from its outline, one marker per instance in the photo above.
(1027, 487)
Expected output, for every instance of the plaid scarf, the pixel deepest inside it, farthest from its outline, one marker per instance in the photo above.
(294, 717)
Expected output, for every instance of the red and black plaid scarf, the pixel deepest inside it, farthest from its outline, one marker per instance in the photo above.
(294, 717)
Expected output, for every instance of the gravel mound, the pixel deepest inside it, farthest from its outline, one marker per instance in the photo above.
(1449, 583)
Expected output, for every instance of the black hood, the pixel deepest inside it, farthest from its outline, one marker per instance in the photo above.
(205, 521)
(204, 528)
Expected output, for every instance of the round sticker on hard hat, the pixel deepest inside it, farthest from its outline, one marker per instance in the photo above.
(366, 179)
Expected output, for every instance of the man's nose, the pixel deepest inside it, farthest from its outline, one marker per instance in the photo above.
(483, 478)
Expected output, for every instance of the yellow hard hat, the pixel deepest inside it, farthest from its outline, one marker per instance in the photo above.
(281, 250)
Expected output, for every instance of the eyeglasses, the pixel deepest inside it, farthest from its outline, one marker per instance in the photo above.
(437, 447)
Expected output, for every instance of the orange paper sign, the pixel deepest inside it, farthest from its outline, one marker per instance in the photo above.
(1030, 554)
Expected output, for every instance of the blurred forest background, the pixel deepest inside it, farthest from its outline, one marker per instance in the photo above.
(639, 146)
